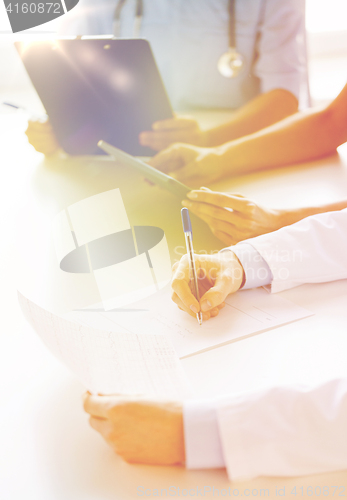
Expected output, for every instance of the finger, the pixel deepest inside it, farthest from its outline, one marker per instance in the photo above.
(204, 188)
(209, 220)
(104, 427)
(44, 148)
(44, 151)
(42, 143)
(169, 159)
(148, 137)
(165, 138)
(214, 312)
(40, 132)
(188, 174)
(221, 226)
(180, 285)
(205, 315)
(225, 231)
(37, 126)
(40, 135)
(227, 238)
(164, 143)
(169, 166)
(213, 211)
(175, 123)
(227, 282)
(221, 200)
(97, 406)
(175, 266)
(180, 304)
(177, 300)
(42, 138)
(155, 145)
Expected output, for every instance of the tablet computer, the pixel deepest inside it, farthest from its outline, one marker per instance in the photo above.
(159, 178)
(97, 88)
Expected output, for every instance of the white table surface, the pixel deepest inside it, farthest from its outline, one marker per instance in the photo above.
(48, 451)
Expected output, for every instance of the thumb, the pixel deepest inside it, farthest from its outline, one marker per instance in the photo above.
(166, 160)
(228, 281)
(187, 173)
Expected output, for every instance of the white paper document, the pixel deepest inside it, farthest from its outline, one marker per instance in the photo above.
(246, 313)
(136, 350)
(111, 362)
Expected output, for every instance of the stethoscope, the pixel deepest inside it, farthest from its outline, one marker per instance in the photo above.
(137, 22)
(230, 64)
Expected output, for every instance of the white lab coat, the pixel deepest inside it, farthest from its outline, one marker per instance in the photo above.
(188, 37)
(282, 431)
(313, 250)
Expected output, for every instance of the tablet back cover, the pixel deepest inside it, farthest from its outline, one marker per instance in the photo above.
(95, 89)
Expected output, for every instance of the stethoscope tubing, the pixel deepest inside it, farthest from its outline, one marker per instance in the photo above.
(138, 17)
(232, 27)
(226, 59)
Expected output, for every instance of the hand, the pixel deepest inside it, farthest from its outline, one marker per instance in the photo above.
(233, 218)
(218, 276)
(41, 136)
(139, 430)
(167, 132)
(190, 164)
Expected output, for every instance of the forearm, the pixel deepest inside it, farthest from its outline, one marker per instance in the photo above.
(302, 137)
(287, 217)
(259, 113)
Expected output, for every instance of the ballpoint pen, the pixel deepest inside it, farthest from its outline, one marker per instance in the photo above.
(188, 234)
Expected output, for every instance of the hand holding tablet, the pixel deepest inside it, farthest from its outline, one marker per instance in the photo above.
(151, 173)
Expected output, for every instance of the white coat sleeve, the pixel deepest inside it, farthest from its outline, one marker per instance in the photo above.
(282, 59)
(287, 431)
(314, 250)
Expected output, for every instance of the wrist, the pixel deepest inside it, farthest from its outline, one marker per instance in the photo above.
(204, 139)
(230, 159)
(286, 217)
(233, 268)
(225, 166)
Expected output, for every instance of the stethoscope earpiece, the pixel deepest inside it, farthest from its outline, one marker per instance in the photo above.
(231, 63)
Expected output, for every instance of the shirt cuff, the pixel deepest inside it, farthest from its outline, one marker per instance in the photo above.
(201, 435)
(257, 271)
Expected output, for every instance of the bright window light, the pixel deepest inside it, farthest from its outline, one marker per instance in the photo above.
(326, 15)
